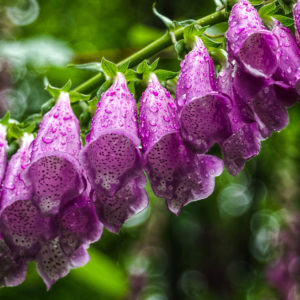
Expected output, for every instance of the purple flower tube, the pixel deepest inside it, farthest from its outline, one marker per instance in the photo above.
(202, 108)
(249, 42)
(112, 158)
(21, 223)
(175, 173)
(3, 148)
(288, 69)
(296, 13)
(244, 142)
(54, 171)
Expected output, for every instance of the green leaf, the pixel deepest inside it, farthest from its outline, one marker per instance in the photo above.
(287, 8)
(76, 97)
(109, 68)
(164, 75)
(104, 87)
(286, 21)
(92, 66)
(180, 49)
(35, 118)
(269, 9)
(123, 68)
(5, 120)
(169, 23)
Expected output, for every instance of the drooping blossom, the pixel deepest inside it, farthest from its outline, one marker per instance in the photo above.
(3, 148)
(54, 171)
(112, 158)
(21, 223)
(76, 227)
(296, 13)
(244, 142)
(202, 108)
(13, 271)
(288, 69)
(249, 42)
(267, 99)
(175, 173)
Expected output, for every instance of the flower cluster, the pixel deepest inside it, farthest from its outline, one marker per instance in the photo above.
(57, 195)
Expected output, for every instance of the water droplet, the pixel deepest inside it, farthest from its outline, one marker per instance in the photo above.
(10, 186)
(56, 115)
(152, 123)
(154, 109)
(108, 111)
(47, 140)
(166, 118)
(155, 93)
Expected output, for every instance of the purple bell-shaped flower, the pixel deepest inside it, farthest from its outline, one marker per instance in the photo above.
(175, 173)
(202, 108)
(244, 142)
(296, 13)
(249, 42)
(112, 159)
(54, 172)
(3, 148)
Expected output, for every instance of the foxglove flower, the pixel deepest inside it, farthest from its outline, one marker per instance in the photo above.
(288, 58)
(13, 271)
(77, 227)
(249, 42)
(112, 158)
(267, 99)
(3, 148)
(296, 13)
(244, 142)
(175, 173)
(21, 223)
(54, 172)
(202, 109)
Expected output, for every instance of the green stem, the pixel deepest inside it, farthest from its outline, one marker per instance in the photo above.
(151, 49)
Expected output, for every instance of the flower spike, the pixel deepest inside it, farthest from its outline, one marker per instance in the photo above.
(112, 158)
(202, 108)
(249, 42)
(175, 173)
(54, 171)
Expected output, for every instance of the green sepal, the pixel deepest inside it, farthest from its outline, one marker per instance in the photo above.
(109, 69)
(180, 49)
(47, 105)
(104, 87)
(92, 66)
(75, 97)
(14, 131)
(131, 75)
(285, 21)
(164, 75)
(54, 91)
(256, 2)
(268, 10)
(123, 67)
(5, 119)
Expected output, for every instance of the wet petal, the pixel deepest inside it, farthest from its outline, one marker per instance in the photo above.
(288, 58)
(129, 200)
(53, 263)
(244, 142)
(13, 272)
(296, 13)
(249, 42)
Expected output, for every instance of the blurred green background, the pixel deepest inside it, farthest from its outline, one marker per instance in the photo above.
(218, 248)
